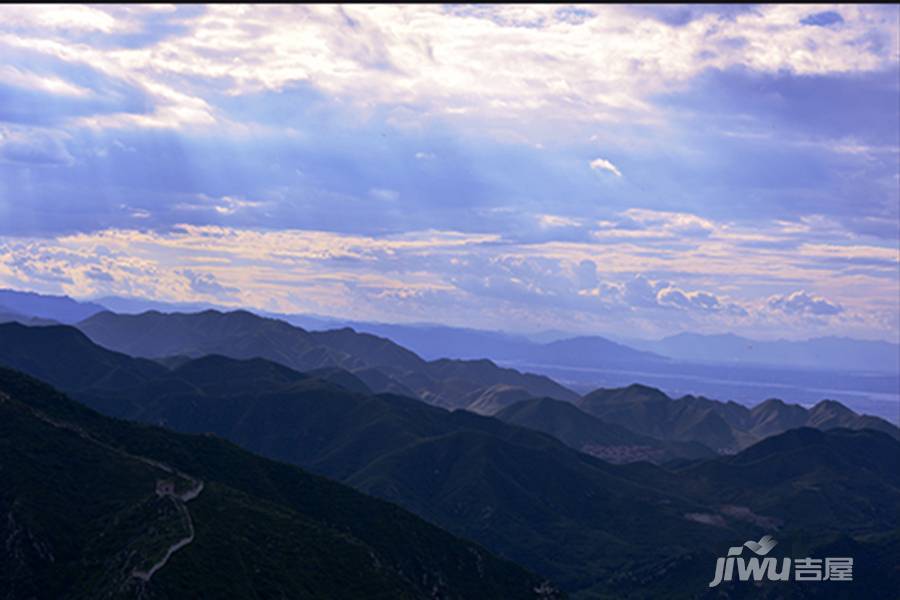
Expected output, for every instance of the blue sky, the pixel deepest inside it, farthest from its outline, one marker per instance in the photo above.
(625, 170)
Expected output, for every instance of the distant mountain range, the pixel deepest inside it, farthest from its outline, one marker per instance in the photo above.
(61, 309)
(723, 426)
(100, 508)
(381, 364)
(437, 341)
(815, 353)
(7, 316)
(594, 528)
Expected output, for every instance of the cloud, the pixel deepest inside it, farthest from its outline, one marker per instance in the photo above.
(46, 83)
(591, 65)
(669, 222)
(64, 17)
(640, 291)
(699, 301)
(206, 284)
(384, 194)
(462, 279)
(98, 274)
(601, 164)
(240, 106)
(305, 155)
(554, 221)
(802, 303)
(223, 205)
(34, 147)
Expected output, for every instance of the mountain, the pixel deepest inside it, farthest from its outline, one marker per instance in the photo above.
(241, 334)
(820, 494)
(589, 362)
(435, 341)
(10, 316)
(596, 529)
(438, 341)
(718, 368)
(590, 526)
(841, 353)
(64, 356)
(610, 442)
(458, 378)
(588, 351)
(492, 400)
(514, 490)
(341, 378)
(99, 508)
(823, 479)
(650, 412)
(723, 426)
(61, 309)
(521, 493)
(133, 305)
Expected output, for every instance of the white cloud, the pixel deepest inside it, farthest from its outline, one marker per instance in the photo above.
(681, 223)
(603, 66)
(57, 16)
(552, 221)
(47, 83)
(601, 164)
(452, 276)
(803, 303)
(698, 300)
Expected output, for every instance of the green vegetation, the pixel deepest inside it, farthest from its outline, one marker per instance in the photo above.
(80, 513)
(584, 432)
(722, 426)
(595, 529)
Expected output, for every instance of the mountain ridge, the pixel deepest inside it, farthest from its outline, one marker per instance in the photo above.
(723, 426)
(306, 536)
(241, 334)
(588, 525)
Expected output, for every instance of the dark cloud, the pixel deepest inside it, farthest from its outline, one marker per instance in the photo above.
(782, 146)
(679, 15)
(861, 105)
(823, 19)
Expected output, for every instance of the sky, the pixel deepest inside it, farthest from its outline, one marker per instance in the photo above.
(624, 170)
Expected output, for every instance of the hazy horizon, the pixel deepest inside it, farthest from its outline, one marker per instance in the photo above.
(556, 333)
(137, 305)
